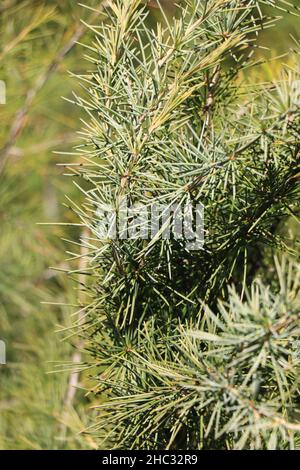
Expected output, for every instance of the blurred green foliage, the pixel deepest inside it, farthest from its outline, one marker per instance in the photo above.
(36, 53)
(35, 122)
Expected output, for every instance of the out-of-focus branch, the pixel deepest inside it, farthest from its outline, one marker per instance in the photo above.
(19, 120)
(76, 357)
(16, 152)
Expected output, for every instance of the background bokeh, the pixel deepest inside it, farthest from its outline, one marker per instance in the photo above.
(38, 49)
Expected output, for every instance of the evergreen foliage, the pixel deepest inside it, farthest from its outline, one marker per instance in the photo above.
(187, 349)
(192, 349)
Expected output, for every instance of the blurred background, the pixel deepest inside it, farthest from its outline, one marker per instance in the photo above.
(38, 48)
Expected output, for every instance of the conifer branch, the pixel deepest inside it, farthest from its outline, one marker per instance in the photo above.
(185, 360)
